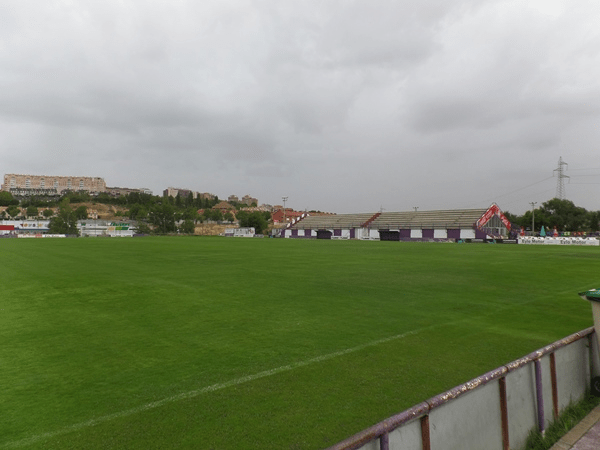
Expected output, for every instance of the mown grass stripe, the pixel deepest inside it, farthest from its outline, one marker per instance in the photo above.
(194, 393)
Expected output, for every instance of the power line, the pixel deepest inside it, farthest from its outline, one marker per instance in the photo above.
(521, 200)
(517, 190)
(525, 187)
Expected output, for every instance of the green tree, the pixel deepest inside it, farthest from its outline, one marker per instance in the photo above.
(198, 202)
(47, 213)
(187, 227)
(210, 202)
(213, 214)
(190, 214)
(562, 214)
(594, 220)
(139, 198)
(65, 221)
(228, 217)
(142, 228)
(142, 213)
(32, 211)
(81, 213)
(104, 197)
(13, 211)
(78, 196)
(7, 199)
(189, 200)
(254, 219)
(163, 217)
(217, 215)
(137, 212)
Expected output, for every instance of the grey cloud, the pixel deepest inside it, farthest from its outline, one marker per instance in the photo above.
(340, 105)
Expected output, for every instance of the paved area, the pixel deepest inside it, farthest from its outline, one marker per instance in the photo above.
(584, 436)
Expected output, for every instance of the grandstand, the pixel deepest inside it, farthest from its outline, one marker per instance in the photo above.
(460, 218)
(482, 223)
(336, 226)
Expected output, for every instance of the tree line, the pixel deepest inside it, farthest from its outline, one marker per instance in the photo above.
(559, 213)
(154, 214)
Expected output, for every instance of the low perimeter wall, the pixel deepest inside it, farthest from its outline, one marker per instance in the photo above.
(496, 410)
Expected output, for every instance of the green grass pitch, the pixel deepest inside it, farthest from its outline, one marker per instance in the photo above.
(260, 343)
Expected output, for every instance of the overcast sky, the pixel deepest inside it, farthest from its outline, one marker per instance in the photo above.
(342, 106)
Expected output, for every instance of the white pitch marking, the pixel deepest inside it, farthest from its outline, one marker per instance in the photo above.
(197, 392)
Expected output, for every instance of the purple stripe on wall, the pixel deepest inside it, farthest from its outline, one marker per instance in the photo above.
(294, 232)
(405, 233)
(307, 232)
(454, 234)
(352, 231)
(337, 232)
(480, 234)
(427, 234)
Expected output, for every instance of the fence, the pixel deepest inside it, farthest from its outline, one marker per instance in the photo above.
(496, 410)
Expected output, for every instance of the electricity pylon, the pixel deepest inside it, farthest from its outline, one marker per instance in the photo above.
(560, 184)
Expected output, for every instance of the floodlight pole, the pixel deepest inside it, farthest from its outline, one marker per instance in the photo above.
(533, 216)
(284, 200)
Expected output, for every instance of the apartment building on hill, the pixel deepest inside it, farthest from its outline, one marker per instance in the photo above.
(26, 185)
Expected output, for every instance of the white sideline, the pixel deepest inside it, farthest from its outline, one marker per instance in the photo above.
(204, 390)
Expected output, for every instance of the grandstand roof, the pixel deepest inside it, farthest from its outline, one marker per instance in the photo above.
(334, 221)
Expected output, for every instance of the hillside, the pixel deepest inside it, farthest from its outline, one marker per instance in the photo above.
(105, 212)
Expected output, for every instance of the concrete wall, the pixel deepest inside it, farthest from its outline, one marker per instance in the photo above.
(471, 421)
(467, 234)
(440, 234)
(416, 234)
(522, 411)
(406, 437)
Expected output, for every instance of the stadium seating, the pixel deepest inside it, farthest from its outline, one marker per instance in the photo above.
(446, 219)
(333, 221)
